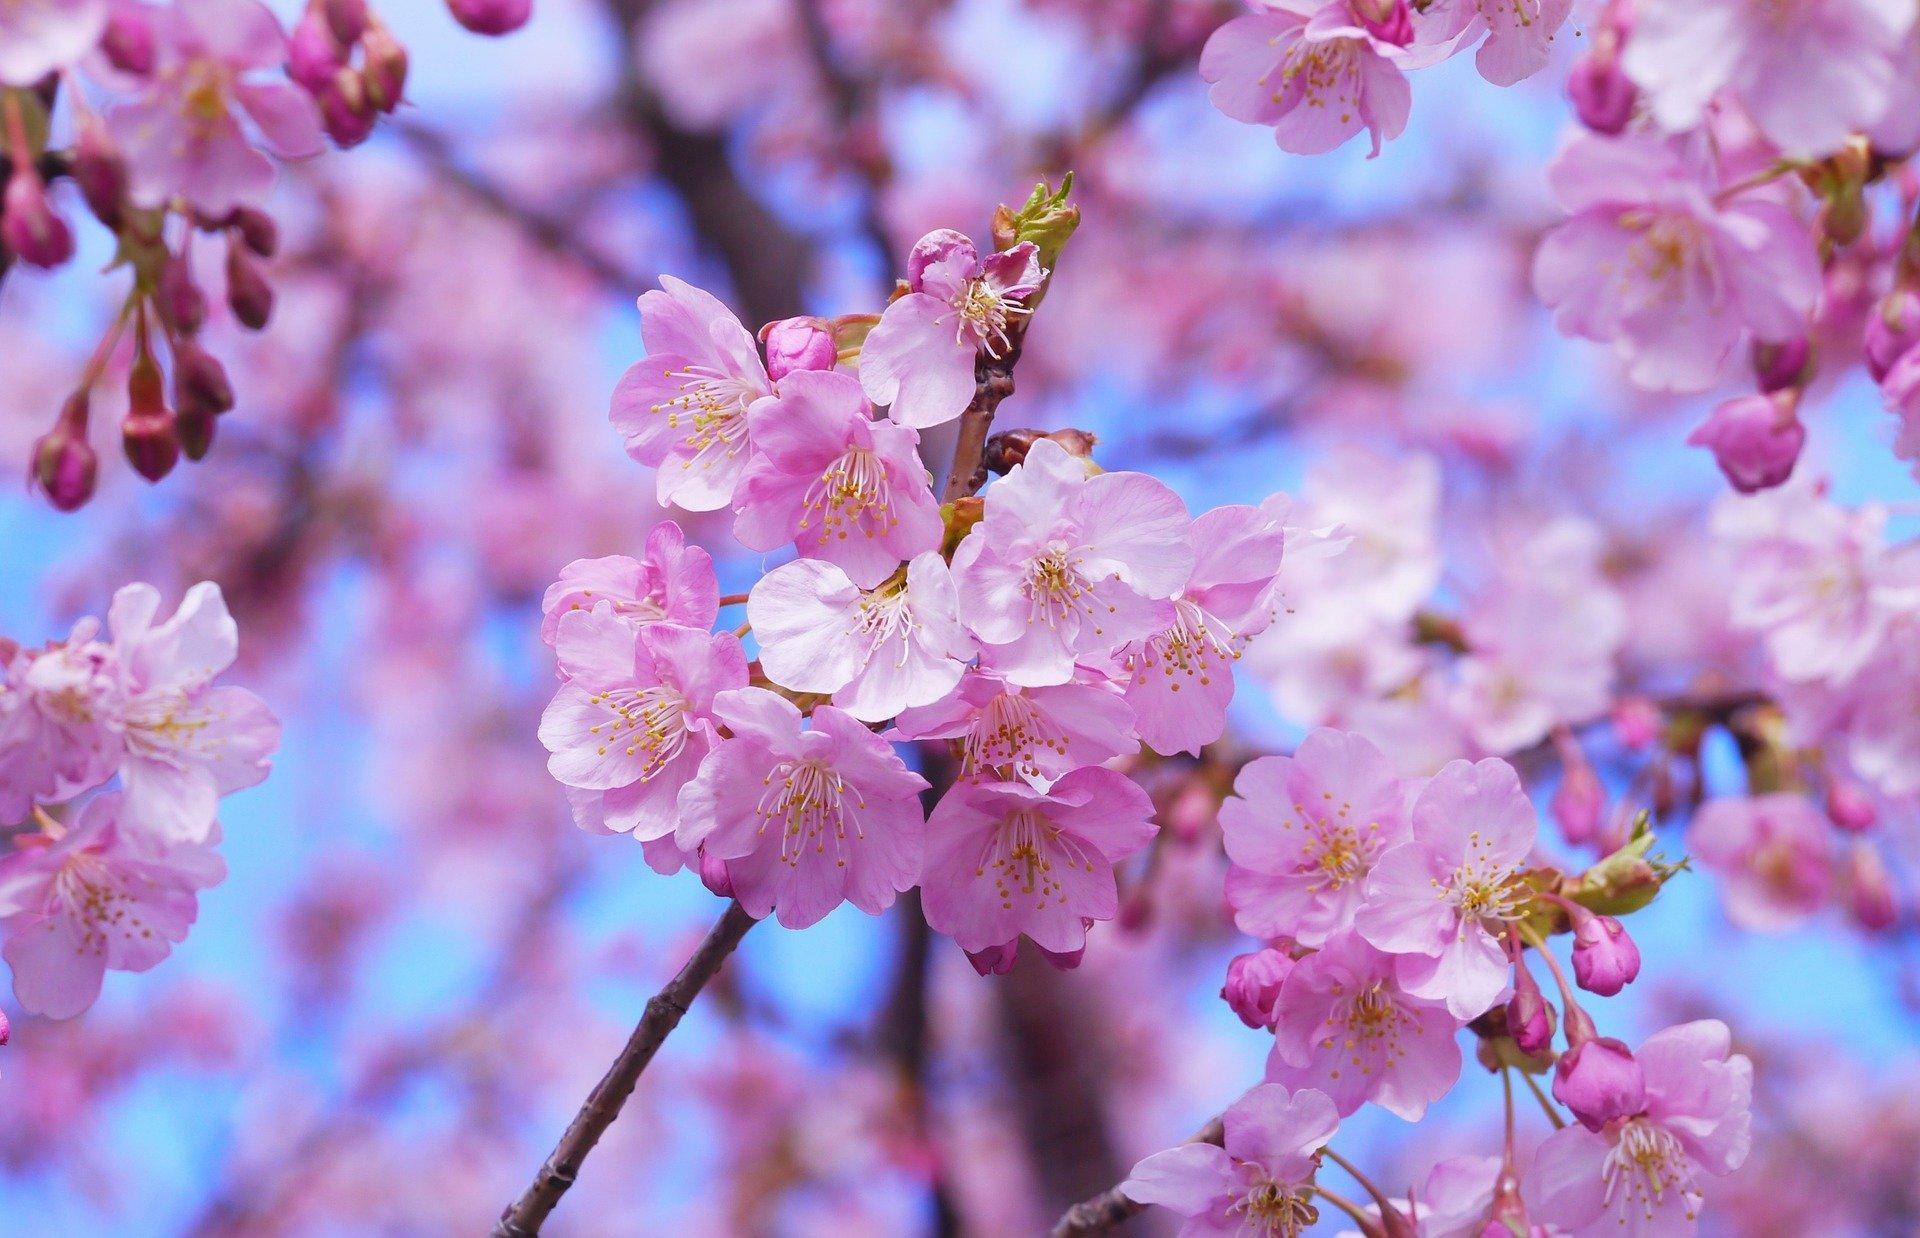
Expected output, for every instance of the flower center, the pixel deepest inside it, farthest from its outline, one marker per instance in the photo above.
(811, 805)
(1482, 889)
(885, 617)
(87, 889)
(1011, 730)
(1022, 853)
(854, 493)
(1275, 1208)
(712, 409)
(984, 313)
(650, 720)
(1197, 646)
(1340, 856)
(1646, 1164)
(1055, 588)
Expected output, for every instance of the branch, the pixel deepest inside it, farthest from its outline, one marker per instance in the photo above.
(525, 1215)
(1110, 1207)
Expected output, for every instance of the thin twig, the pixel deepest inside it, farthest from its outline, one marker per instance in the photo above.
(525, 1215)
(1110, 1207)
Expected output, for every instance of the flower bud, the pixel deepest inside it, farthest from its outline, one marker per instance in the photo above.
(798, 344)
(1755, 439)
(6, 1028)
(1577, 803)
(1637, 722)
(386, 68)
(314, 52)
(1850, 807)
(1603, 96)
(1844, 216)
(344, 110)
(491, 16)
(100, 171)
(128, 41)
(714, 876)
(64, 464)
(200, 384)
(1870, 898)
(1605, 958)
(1892, 328)
(347, 19)
(178, 298)
(30, 227)
(1390, 21)
(147, 434)
(1253, 985)
(257, 230)
(1530, 1016)
(994, 960)
(193, 429)
(1597, 1077)
(1777, 367)
(248, 293)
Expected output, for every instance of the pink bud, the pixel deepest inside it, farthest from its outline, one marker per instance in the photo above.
(491, 16)
(1599, 1081)
(1577, 803)
(798, 344)
(128, 41)
(994, 960)
(248, 293)
(1603, 97)
(1530, 1017)
(1850, 807)
(345, 112)
(1605, 958)
(99, 171)
(1253, 985)
(64, 464)
(314, 52)
(1779, 366)
(1755, 439)
(1892, 329)
(31, 228)
(1637, 720)
(714, 876)
(1870, 897)
(178, 298)
(347, 19)
(6, 1028)
(1390, 21)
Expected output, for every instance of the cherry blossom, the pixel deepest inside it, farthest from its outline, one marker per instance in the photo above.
(1038, 734)
(674, 583)
(40, 36)
(1261, 1175)
(1309, 70)
(1775, 852)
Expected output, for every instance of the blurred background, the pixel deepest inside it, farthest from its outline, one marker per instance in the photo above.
(418, 965)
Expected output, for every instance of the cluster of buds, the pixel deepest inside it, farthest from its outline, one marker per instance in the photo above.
(351, 64)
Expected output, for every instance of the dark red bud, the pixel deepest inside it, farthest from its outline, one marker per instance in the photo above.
(30, 227)
(148, 434)
(257, 229)
(193, 428)
(248, 293)
(100, 172)
(178, 298)
(200, 382)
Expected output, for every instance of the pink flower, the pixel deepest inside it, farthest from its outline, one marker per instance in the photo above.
(841, 486)
(1755, 439)
(683, 408)
(1443, 898)
(1518, 33)
(40, 36)
(1809, 72)
(804, 819)
(1311, 71)
(1775, 854)
(59, 721)
(100, 895)
(1064, 566)
(1180, 679)
(919, 357)
(1302, 832)
(1642, 1176)
(1344, 1025)
(876, 651)
(1007, 859)
(183, 138)
(1005, 731)
(1658, 261)
(1253, 985)
(674, 583)
(636, 715)
(1261, 1177)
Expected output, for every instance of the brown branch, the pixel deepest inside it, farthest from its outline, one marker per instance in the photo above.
(1109, 1208)
(665, 1009)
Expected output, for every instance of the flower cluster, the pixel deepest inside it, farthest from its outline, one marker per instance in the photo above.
(114, 884)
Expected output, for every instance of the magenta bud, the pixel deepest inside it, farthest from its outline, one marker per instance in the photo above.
(128, 41)
(714, 876)
(65, 466)
(1605, 958)
(798, 344)
(1755, 439)
(386, 71)
(491, 16)
(1777, 367)
(30, 227)
(1892, 328)
(347, 19)
(248, 293)
(200, 384)
(1390, 21)
(1603, 97)
(994, 960)
(1577, 803)
(1850, 807)
(1530, 1016)
(344, 111)
(6, 1028)
(1253, 985)
(1870, 897)
(1637, 722)
(257, 229)
(178, 298)
(1599, 1081)
(314, 52)
(99, 171)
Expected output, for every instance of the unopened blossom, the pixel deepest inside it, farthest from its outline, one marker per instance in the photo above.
(1809, 72)
(682, 409)
(1064, 566)
(1302, 833)
(183, 136)
(1258, 1180)
(635, 716)
(1003, 730)
(1598, 1079)
(834, 482)
(1660, 260)
(1774, 854)
(1755, 439)
(875, 651)
(1253, 985)
(96, 895)
(1006, 860)
(1180, 679)
(673, 583)
(1644, 1174)
(1605, 958)
(805, 819)
(1311, 71)
(1345, 1025)
(919, 357)
(40, 36)
(1443, 899)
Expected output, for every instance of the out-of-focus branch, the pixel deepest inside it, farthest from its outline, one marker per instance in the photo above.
(852, 101)
(664, 1011)
(1102, 1212)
